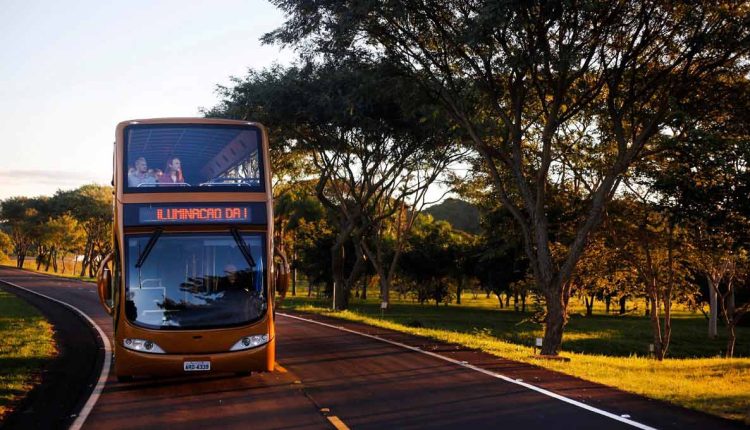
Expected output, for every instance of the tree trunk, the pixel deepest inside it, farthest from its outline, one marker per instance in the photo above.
(294, 273)
(656, 329)
(554, 323)
(667, 335)
(93, 265)
(607, 303)
(458, 290)
(86, 256)
(360, 265)
(730, 318)
(713, 308)
(623, 301)
(589, 301)
(731, 341)
(337, 268)
(385, 295)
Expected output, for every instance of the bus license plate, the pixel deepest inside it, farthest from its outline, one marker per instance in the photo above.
(196, 366)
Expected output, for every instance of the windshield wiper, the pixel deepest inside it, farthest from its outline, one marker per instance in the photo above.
(149, 246)
(243, 247)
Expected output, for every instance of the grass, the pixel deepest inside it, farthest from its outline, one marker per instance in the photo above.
(610, 350)
(26, 345)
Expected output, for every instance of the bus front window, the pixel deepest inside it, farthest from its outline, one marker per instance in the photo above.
(193, 281)
(189, 157)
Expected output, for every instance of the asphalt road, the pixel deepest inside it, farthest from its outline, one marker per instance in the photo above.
(329, 377)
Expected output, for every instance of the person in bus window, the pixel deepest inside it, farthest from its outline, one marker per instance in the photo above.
(235, 286)
(173, 172)
(229, 280)
(140, 174)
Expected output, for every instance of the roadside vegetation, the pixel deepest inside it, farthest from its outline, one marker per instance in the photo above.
(65, 234)
(68, 272)
(602, 348)
(26, 346)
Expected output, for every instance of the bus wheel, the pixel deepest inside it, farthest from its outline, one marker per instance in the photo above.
(124, 378)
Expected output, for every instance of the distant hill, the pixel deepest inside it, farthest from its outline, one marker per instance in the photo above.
(460, 214)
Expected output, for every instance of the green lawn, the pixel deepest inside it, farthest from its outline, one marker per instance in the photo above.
(612, 334)
(608, 349)
(26, 345)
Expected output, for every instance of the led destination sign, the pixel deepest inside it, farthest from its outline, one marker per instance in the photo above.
(155, 214)
(151, 215)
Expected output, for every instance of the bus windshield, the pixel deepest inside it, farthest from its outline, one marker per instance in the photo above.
(181, 157)
(194, 281)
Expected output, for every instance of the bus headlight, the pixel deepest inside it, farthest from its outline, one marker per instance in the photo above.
(250, 342)
(142, 345)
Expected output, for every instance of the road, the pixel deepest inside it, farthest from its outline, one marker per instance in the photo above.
(331, 375)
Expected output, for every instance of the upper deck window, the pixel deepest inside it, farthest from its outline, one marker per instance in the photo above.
(192, 157)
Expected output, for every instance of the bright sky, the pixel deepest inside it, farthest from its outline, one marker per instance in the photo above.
(70, 71)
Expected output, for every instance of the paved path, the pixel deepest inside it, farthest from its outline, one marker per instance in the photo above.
(330, 378)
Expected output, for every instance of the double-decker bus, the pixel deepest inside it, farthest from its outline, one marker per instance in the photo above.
(190, 283)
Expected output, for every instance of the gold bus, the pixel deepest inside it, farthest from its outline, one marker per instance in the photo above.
(190, 283)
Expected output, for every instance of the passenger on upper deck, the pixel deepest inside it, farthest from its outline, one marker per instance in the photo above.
(140, 174)
(173, 172)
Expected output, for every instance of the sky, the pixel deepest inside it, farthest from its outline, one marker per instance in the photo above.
(70, 71)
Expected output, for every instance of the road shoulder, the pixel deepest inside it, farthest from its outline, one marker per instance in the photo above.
(67, 381)
(653, 412)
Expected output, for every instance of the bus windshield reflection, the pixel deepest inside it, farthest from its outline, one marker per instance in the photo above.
(195, 280)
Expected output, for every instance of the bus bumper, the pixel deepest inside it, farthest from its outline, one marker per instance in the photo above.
(130, 363)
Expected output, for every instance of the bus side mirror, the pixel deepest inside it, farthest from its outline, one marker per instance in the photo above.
(104, 284)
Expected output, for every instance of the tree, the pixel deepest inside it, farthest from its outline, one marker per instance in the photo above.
(519, 77)
(704, 174)
(430, 259)
(6, 245)
(313, 243)
(66, 235)
(91, 206)
(291, 210)
(724, 277)
(22, 217)
(500, 261)
(590, 276)
(656, 247)
(374, 142)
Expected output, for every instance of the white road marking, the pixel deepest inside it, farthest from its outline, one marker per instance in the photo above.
(570, 401)
(99, 388)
